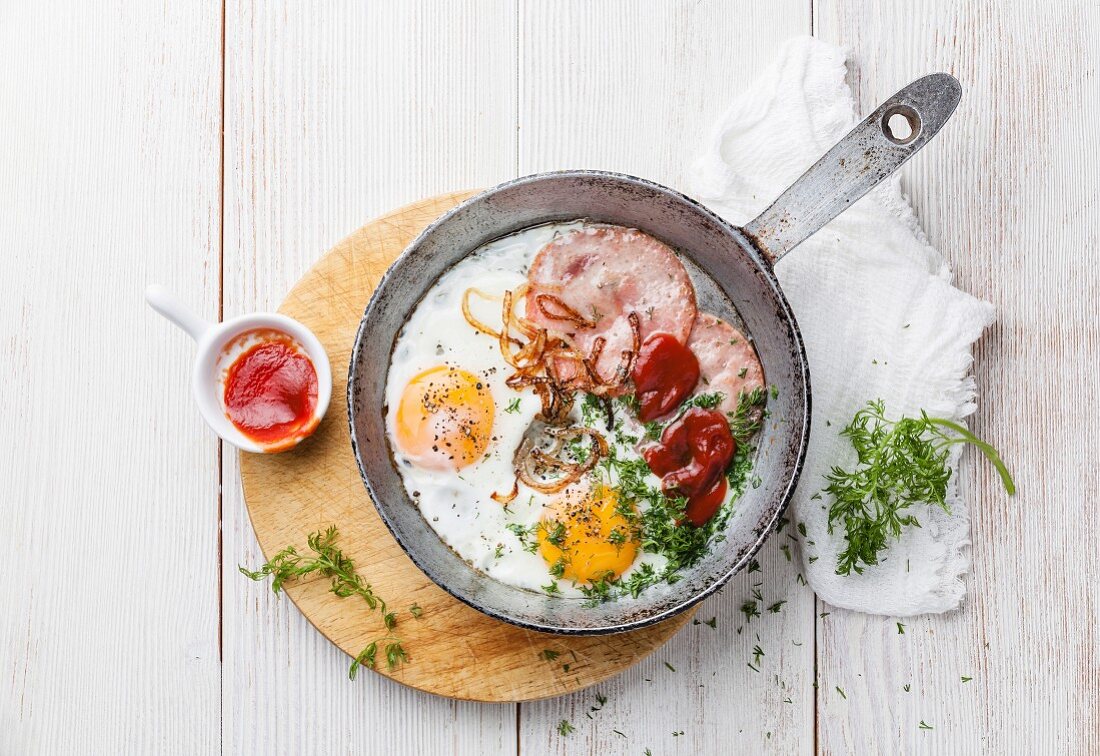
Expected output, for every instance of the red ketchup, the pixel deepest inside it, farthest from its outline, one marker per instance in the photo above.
(664, 374)
(271, 392)
(691, 459)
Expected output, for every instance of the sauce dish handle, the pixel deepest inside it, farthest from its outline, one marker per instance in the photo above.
(166, 303)
(856, 164)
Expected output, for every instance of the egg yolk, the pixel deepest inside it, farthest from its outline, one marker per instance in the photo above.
(445, 418)
(585, 537)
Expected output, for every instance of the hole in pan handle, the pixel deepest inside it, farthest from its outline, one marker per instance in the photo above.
(856, 164)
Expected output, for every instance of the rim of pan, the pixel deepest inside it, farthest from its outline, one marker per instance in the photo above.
(802, 429)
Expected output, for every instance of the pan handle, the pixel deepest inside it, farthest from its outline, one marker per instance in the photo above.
(856, 164)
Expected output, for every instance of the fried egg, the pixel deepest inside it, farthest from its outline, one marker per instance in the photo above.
(584, 537)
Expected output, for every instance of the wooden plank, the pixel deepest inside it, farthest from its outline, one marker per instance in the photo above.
(335, 115)
(109, 180)
(1009, 192)
(636, 87)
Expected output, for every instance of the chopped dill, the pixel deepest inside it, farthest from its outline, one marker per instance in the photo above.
(899, 464)
(749, 610)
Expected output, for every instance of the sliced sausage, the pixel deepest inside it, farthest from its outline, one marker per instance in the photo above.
(727, 360)
(585, 284)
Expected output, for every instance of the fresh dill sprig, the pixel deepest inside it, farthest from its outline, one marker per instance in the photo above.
(706, 401)
(331, 562)
(900, 463)
(395, 654)
(652, 431)
(364, 659)
(564, 728)
(555, 532)
(750, 610)
(599, 589)
(527, 536)
(745, 420)
(557, 569)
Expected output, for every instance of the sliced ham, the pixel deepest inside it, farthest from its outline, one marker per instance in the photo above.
(727, 360)
(602, 274)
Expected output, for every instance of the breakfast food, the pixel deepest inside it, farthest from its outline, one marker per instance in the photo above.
(727, 361)
(563, 416)
(585, 284)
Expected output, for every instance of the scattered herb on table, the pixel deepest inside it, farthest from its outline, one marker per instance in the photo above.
(901, 629)
(331, 562)
(840, 690)
(924, 726)
(900, 463)
(549, 654)
(564, 728)
(749, 610)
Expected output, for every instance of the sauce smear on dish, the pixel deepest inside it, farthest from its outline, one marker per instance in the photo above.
(665, 373)
(691, 459)
(271, 391)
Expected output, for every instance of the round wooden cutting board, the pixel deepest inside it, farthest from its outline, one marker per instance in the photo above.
(454, 650)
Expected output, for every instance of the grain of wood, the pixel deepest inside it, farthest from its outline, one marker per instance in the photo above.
(109, 179)
(636, 87)
(1010, 193)
(337, 113)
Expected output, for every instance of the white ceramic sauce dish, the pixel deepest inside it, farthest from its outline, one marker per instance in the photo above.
(213, 357)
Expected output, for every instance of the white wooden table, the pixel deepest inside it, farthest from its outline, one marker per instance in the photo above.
(221, 148)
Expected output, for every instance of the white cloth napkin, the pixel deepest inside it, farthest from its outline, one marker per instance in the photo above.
(876, 308)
